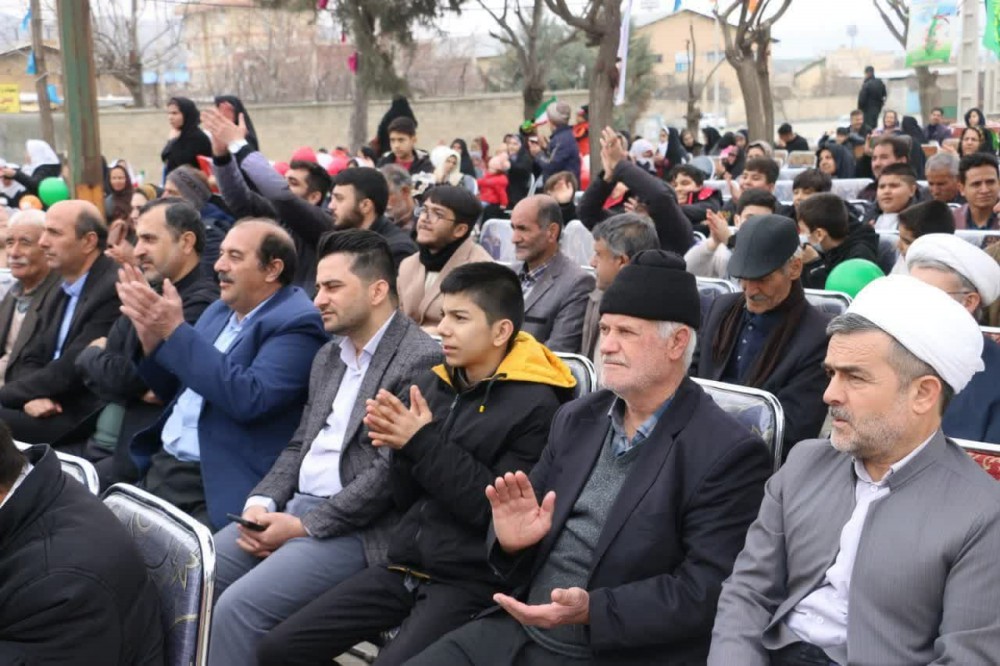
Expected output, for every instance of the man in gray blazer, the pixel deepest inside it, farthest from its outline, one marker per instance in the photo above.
(22, 307)
(555, 289)
(879, 545)
(325, 506)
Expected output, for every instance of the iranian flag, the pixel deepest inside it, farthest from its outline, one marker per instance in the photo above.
(540, 116)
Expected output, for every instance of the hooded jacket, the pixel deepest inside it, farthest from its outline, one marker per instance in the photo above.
(421, 161)
(191, 143)
(861, 243)
(498, 425)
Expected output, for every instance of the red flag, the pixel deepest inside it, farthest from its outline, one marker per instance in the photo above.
(352, 63)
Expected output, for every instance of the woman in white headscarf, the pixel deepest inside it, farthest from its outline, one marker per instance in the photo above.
(42, 163)
(447, 171)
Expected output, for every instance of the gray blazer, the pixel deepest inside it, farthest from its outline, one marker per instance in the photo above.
(553, 311)
(32, 318)
(365, 503)
(925, 587)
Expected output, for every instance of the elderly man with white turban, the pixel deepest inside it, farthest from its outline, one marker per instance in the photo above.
(879, 545)
(972, 278)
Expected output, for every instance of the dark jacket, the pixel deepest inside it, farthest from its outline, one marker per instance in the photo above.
(699, 203)
(73, 587)
(563, 154)
(871, 98)
(438, 479)
(861, 243)
(522, 167)
(798, 380)
(400, 243)
(32, 182)
(217, 223)
(672, 226)
(33, 322)
(798, 143)
(191, 143)
(112, 373)
(421, 162)
(975, 412)
(37, 375)
(937, 133)
(672, 533)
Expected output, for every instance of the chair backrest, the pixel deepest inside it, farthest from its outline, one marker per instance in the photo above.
(830, 302)
(801, 158)
(783, 190)
(951, 142)
(583, 371)
(74, 467)
(577, 242)
(781, 154)
(710, 289)
(887, 252)
(759, 411)
(720, 186)
(987, 455)
(980, 239)
(858, 206)
(789, 173)
(848, 188)
(180, 557)
(497, 238)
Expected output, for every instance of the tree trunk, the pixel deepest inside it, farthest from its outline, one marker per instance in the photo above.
(41, 76)
(758, 122)
(603, 79)
(693, 116)
(532, 94)
(930, 92)
(359, 112)
(137, 90)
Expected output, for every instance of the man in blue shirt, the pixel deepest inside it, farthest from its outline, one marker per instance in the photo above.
(235, 382)
(44, 398)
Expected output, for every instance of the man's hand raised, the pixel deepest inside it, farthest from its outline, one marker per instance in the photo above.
(518, 520)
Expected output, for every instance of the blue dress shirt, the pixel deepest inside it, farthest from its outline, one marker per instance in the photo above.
(73, 291)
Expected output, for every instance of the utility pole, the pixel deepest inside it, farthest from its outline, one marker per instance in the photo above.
(75, 31)
(41, 75)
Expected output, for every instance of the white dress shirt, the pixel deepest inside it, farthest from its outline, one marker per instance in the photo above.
(821, 617)
(319, 474)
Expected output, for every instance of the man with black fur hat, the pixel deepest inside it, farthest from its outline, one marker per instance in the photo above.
(768, 336)
(617, 544)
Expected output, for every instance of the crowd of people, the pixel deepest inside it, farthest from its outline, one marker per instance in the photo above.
(319, 361)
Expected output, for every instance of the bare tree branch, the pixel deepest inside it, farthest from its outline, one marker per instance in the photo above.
(898, 32)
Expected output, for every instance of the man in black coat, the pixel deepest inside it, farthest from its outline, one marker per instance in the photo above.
(485, 412)
(655, 198)
(617, 546)
(833, 238)
(769, 337)
(45, 398)
(169, 241)
(73, 587)
(871, 97)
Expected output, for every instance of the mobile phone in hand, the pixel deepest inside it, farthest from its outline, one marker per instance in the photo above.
(252, 526)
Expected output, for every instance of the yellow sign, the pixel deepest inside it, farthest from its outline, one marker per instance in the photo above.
(10, 98)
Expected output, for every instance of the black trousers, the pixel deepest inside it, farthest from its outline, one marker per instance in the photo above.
(30, 430)
(374, 600)
(495, 640)
(179, 483)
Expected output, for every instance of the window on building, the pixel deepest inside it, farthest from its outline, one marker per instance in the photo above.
(681, 62)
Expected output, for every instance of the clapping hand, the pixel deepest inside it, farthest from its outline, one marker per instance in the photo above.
(223, 130)
(519, 521)
(389, 421)
(718, 228)
(154, 316)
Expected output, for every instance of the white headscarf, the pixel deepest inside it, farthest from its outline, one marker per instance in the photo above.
(639, 147)
(963, 257)
(40, 154)
(928, 322)
(439, 156)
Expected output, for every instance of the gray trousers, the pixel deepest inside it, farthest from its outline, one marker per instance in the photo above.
(254, 595)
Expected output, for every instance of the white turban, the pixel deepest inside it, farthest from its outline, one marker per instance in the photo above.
(930, 324)
(963, 257)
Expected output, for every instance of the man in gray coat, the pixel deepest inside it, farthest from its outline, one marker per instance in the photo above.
(325, 508)
(879, 545)
(555, 289)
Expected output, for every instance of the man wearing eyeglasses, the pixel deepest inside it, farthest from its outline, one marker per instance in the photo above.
(445, 242)
(971, 277)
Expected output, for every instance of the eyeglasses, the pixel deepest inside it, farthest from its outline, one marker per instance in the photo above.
(434, 216)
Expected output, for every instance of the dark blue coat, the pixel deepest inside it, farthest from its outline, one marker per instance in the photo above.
(672, 534)
(254, 393)
(564, 155)
(975, 412)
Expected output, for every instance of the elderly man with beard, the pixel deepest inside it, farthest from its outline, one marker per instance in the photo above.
(616, 546)
(877, 546)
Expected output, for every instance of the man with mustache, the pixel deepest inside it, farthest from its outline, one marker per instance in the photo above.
(878, 545)
(617, 544)
(768, 336)
(234, 383)
(43, 398)
(170, 239)
(20, 309)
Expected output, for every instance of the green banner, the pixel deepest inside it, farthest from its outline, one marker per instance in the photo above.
(991, 36)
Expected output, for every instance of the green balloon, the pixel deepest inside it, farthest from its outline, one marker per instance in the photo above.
(852, 276)
(53, 190)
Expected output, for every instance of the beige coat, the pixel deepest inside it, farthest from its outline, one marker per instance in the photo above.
(424, 305)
